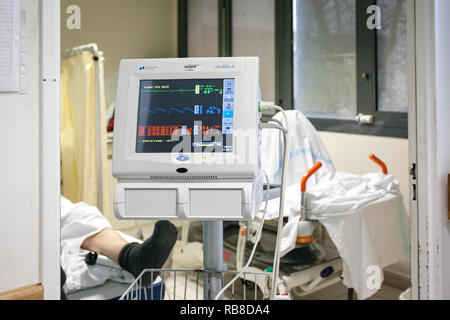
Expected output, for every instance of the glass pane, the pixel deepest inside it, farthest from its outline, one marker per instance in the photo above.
(202, 28)
(254, 35)
(392, 57)
(325, 58)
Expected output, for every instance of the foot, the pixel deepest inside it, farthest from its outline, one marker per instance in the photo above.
(151, 254)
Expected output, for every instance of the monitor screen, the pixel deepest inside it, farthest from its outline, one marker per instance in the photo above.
(194, 113)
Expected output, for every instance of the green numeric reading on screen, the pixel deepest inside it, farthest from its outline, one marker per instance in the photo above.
(198, 89)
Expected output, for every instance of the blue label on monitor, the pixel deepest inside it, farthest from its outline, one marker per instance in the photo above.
(228, 114)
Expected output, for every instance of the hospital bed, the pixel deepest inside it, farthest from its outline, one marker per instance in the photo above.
(112, 290)
(304, 265)
(311, 265)
(367, 223)
(108, 291)
(307, 268)
(100, 278)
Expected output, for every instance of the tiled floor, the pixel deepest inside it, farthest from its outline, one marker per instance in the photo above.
(183, 288)
(339, 292)
(189, 290)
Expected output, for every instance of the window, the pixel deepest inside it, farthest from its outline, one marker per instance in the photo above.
(317, 56)
(202, 40)
(392, 57)
(342, 68)
(325, 58)
(253, 21)
(231, 28)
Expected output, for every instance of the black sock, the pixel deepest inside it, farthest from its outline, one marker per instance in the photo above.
(151, 254)
(63, 282)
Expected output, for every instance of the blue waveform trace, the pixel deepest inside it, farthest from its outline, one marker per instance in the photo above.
(170, 110)
(197, 110)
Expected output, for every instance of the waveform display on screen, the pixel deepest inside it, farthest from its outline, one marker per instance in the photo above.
(173, 109)
(197, 109)
(198, 89)
(177, 130)
(185, 107)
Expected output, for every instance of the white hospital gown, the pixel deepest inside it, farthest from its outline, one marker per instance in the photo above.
(78, 222)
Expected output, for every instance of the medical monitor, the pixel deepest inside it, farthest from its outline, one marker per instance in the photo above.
(187, 117)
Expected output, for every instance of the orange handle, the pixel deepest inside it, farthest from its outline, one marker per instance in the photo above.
(378, 162)
(309, 174)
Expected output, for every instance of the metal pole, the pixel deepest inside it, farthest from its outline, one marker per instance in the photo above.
(99, 136)
(276, 257)
(350, 294)
(213, 257)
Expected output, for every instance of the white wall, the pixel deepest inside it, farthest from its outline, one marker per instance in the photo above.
(19, 167)
(122, 29)
(129, 29)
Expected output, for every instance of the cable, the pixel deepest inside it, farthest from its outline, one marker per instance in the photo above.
(277, 122)
(268, 109)
(276, 261)
(258, 237)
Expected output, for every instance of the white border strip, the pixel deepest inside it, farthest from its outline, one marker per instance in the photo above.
(412, 141)
(50, 202)
(428, 234)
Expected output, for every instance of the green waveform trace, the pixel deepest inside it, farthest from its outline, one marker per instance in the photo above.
(205, 91)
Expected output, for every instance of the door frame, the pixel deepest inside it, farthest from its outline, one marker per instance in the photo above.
(50, 191)
(426, 281)
(430, 231)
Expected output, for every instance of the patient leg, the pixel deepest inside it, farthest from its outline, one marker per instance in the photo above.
(151, 254)
(107, 242)
(135, 257)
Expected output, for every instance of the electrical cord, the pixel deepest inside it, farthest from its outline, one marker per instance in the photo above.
(269, 109)
(258, 237)
(276, 262)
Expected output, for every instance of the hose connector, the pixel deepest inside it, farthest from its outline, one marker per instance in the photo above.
(268, 109)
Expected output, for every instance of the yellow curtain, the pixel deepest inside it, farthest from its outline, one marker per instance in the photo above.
(79, 127)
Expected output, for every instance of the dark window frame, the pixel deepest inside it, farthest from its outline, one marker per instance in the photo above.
(182, 29)
(225, 28)
(388, 124)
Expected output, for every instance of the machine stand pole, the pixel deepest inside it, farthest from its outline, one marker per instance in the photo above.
(213, 257)
(350, 294)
